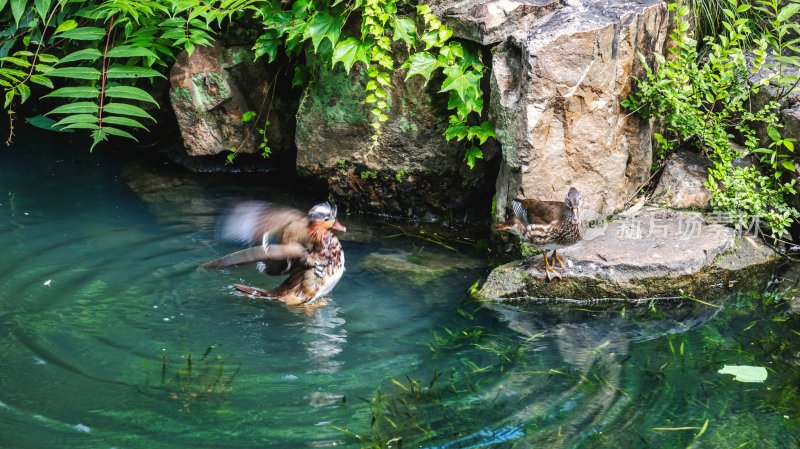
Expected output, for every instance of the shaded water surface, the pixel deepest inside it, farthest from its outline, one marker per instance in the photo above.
(111, 337)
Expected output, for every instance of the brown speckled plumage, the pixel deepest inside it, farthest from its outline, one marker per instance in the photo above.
(549, 225)
(292, 243)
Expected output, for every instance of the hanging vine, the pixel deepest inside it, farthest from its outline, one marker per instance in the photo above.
(93, 57)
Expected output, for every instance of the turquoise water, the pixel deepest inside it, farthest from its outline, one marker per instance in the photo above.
(102, 308)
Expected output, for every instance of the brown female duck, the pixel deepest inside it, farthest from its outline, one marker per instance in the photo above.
(287, 242)
(547, 225)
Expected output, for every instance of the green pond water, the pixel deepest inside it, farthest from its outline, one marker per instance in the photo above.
(111, 337)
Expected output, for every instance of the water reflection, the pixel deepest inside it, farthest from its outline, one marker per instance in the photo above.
(327, 339)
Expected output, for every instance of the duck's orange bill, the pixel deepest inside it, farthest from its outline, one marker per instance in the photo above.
(338, 227)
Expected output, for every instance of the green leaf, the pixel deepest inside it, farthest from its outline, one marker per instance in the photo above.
(98, 136)
(80, 107)
(323, 26)
(75, 92)
(774, 134)
(422, 64)
(17, 9)
(77, 118)
(457, 129)
(126, 109)
(66, 26)
(88, 54)
(405, 30)
(131, 71)
(460, 82)
(42, 81)
(788, 11)
(118, 132)
(745, 373)
(48, 58)
(130, 51)
(24, 92)
(471, 155)
(348, 52)
(248, 116)
(130, 93)
(788, 165)
(42, 6)
(43, 122)
(83, 73)
(124, 121)
(83, 34)
(482, 132)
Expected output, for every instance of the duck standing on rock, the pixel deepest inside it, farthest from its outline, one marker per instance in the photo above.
(287, 242)
(547, 225)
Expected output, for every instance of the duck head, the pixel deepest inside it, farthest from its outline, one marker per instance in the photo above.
(323, 215)
(572, 205)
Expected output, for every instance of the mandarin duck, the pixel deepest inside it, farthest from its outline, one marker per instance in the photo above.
(547, 225)
(287, 242)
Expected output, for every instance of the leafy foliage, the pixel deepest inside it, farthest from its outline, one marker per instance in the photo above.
(703, 101)
(424, 36)
(95, 58)
(103, 57)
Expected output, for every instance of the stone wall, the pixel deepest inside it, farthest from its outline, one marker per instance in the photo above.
(212, 88)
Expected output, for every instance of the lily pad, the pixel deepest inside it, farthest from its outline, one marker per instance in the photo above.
(745, 373)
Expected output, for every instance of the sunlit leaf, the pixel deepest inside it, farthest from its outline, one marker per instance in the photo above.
(80, 107)
(83, 34)
(127, 109)
(75, 92)
(42, 6)
(88, 54)
(422, 64)
(460, 82)
(130, 93)
(405, 30)
(348, 52)
(66, 26)
(323, 26)
(129, 51)
(118, 132)
(124, 121)
(131, 71)
(42, 81)
(84, 73)
(17, 9)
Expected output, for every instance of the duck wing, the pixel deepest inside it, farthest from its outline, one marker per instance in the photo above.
(532, 211)
(280, 235)
(257, 222)
(276, 257)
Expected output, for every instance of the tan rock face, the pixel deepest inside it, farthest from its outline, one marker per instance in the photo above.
(556, 90)
(209, 92)
(683, 182)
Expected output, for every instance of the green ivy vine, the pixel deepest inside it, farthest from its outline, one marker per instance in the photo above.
(95, 58)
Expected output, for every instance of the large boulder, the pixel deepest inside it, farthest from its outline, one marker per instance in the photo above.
(211, 90)
(414, 171)
(491, 22)
(557, 81)
(651, 253)
(682, 183)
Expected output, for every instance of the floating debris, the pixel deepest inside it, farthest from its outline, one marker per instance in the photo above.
(47, 282)
(745, 373)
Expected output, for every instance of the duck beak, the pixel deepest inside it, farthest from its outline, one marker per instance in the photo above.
(338, 227)
(575, 215)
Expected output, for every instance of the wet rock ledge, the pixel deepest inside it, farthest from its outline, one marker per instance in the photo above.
(653, 253)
